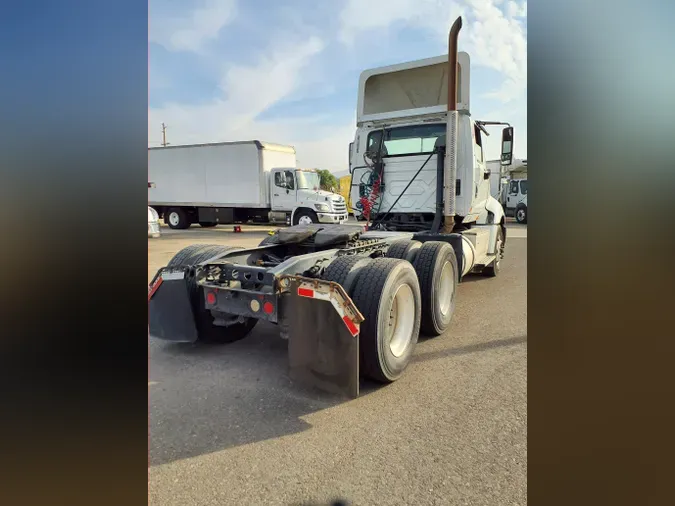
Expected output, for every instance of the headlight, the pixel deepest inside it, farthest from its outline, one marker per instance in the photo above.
(322, 207)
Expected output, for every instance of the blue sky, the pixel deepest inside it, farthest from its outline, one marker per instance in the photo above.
(222, 70)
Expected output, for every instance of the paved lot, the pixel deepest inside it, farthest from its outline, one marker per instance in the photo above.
(227, 426)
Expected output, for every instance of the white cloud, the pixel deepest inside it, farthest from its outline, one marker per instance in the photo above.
(498, 41)
(189, 31)
(494, 38)
(247, 92)
(359, 18)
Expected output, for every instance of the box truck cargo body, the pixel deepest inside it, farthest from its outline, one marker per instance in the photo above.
(236, 182)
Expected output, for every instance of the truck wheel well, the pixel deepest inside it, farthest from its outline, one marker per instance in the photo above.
(302, 210)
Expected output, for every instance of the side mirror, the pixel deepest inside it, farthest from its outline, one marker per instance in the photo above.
(507, 146)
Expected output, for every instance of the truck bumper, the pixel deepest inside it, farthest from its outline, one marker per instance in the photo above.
(322, 321)
(332, 218)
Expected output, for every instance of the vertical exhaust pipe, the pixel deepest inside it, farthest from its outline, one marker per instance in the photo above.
(451, 130)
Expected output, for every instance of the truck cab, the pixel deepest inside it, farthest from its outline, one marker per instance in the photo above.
(297, 198)
(516, 199)
(401, 117)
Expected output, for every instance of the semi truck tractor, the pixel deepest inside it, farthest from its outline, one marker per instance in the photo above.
(232, 182)
(353, 299)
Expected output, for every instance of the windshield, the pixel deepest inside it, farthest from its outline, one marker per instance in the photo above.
(523, 187)
(308, 180)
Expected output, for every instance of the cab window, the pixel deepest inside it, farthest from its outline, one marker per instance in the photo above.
(284, 179)
(407, 140)
(478, 146)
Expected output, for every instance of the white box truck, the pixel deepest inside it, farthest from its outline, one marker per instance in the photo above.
(230, 182)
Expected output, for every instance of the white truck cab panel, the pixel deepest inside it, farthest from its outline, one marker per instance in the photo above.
(408, 102)
(298, 189)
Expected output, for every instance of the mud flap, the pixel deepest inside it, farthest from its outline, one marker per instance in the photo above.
(323, 347)
(170, 314)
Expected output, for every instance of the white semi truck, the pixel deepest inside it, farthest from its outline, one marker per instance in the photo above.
(232, 182)
(353, 302)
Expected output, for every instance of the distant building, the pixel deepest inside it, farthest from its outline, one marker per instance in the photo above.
(517, 169)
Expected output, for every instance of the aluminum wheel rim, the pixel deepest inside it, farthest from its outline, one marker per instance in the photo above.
(174, 219)
(446, 288)
(304, 220)
(499, 252)
(521, 215)
(401, 320)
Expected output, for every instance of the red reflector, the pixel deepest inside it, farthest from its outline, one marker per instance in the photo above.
(268, 307)
(211, 298)
(154, 287)
(350, 325)
(305, 292)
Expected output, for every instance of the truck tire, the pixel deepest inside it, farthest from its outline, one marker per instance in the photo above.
(521, 214)
(304, 217)
(176, 218)
(404, 249)
(387, 293)
(437, 270)
(493, 269)
(208, 224)
(207, 331)
(345, 271)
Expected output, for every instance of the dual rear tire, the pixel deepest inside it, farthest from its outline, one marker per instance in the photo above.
(387, 294)
(207, 331)
(398, 299)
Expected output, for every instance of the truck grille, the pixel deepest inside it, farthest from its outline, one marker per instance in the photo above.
(339, 206)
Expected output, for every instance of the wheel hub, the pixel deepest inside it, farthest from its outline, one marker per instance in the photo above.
(447, 288)
(401, 320)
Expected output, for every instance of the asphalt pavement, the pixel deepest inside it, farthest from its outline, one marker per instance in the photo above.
(227, 425)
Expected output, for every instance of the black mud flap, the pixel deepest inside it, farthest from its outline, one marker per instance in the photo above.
(170, 315)
(322, 351)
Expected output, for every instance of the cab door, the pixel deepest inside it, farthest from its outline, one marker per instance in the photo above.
(283, 190)
(482, 173)
(513, 195)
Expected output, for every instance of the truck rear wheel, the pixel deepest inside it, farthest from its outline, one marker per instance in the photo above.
(207, 331)
(436, 267)
(177, 218)
(387, 293)
(404, 249)
(345, 271)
